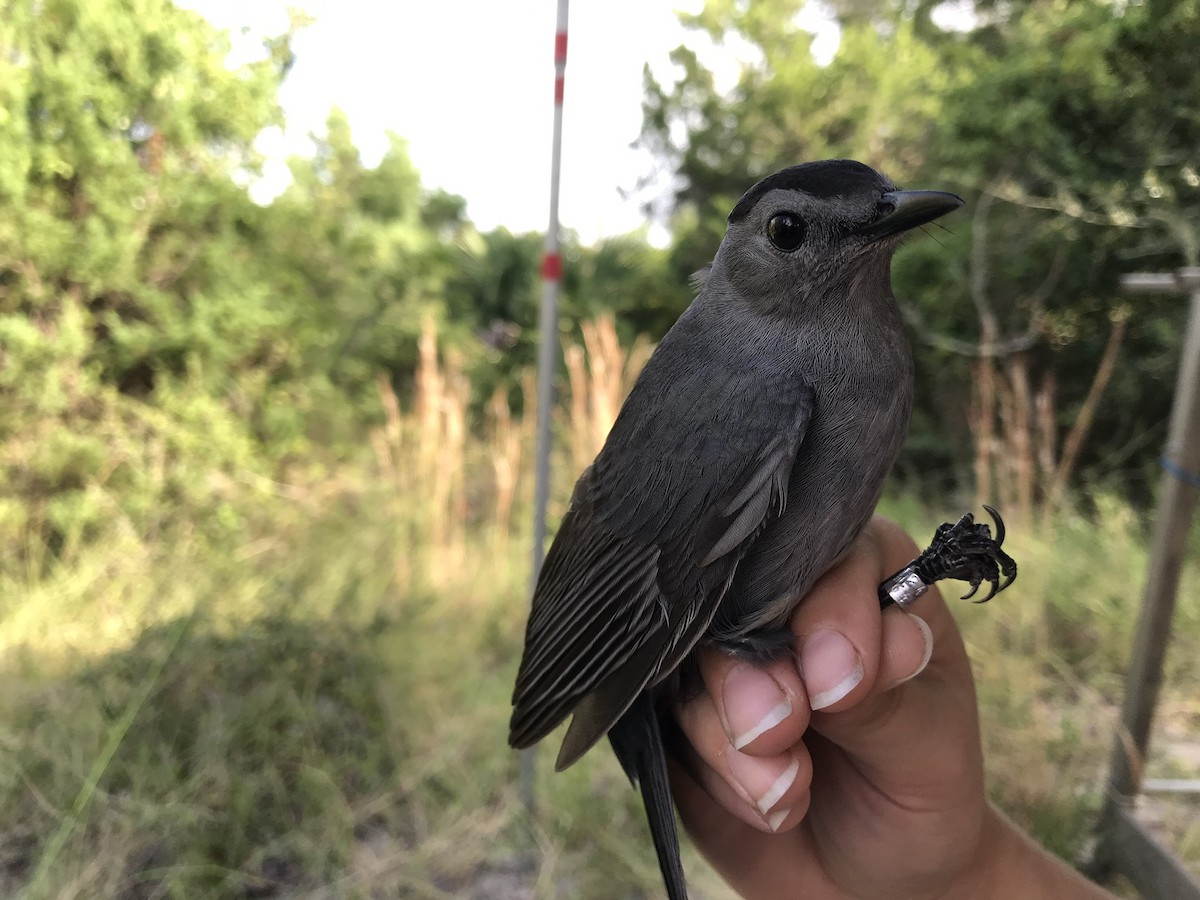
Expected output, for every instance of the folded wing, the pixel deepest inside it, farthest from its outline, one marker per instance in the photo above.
(651, 541)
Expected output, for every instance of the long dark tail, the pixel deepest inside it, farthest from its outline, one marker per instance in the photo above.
(637, 741)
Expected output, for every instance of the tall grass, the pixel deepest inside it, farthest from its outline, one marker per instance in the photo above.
(321, 710)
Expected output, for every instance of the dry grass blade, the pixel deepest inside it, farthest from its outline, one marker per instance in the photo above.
(600, 374)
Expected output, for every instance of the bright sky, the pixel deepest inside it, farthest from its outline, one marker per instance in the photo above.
(469, 85)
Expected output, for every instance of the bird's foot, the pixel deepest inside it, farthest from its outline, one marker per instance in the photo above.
(965, 550)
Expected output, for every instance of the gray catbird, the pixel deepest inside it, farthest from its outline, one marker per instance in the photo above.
(749, 454)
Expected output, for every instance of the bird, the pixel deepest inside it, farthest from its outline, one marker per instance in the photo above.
(750, 452)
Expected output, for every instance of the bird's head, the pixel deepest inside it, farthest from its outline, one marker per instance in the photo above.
(818, 228)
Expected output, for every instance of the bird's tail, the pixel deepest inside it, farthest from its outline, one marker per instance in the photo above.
(637, 741)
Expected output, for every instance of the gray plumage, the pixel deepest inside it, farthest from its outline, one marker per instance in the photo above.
(750, 452)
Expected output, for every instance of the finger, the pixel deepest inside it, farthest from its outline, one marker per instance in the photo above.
(765, 792)
(754, 864)
(763, 709)
(932, 716)
(839, 630)
(907, 647)
(847, 650)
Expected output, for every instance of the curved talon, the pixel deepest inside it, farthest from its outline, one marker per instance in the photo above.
(999, 524)
(995, 583)
(966, 550)
(1010, 577)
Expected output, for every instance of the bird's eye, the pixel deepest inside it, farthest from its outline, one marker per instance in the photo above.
(786, 231)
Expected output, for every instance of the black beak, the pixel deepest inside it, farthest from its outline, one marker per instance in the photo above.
(900, 211)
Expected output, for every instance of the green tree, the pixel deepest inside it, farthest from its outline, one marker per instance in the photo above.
(363, 256)
(1069, 127)
(123, 128)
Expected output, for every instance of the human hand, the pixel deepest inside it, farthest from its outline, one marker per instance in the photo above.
(852, 776)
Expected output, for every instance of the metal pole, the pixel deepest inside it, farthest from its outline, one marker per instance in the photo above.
(547, 362)
(1153, 871)
(1176, 505)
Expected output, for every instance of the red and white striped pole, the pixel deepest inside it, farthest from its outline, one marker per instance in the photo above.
(547, 357)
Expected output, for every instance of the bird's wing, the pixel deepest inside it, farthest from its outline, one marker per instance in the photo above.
(656, 526)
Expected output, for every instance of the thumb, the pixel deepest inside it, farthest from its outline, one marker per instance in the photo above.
(916, 741)
(915, 738)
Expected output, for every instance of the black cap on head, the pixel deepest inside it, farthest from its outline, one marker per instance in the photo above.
(824, 180)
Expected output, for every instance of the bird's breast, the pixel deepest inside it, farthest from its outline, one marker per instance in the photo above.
(863, 405)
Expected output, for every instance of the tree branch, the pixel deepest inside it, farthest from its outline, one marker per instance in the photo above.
(1063, 203)
(979, 269)
(1083, 421)
(989, 349)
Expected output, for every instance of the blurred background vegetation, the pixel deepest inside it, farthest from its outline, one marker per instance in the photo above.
(264, 469)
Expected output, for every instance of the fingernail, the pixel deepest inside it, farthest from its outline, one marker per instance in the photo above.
(764, 780)
(754, 704)
(777, 818)
(928, 636)
(830, 667)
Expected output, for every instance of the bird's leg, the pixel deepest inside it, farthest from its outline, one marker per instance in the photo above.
(965, 550)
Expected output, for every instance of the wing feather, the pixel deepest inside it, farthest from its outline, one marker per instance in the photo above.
(696, 464)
